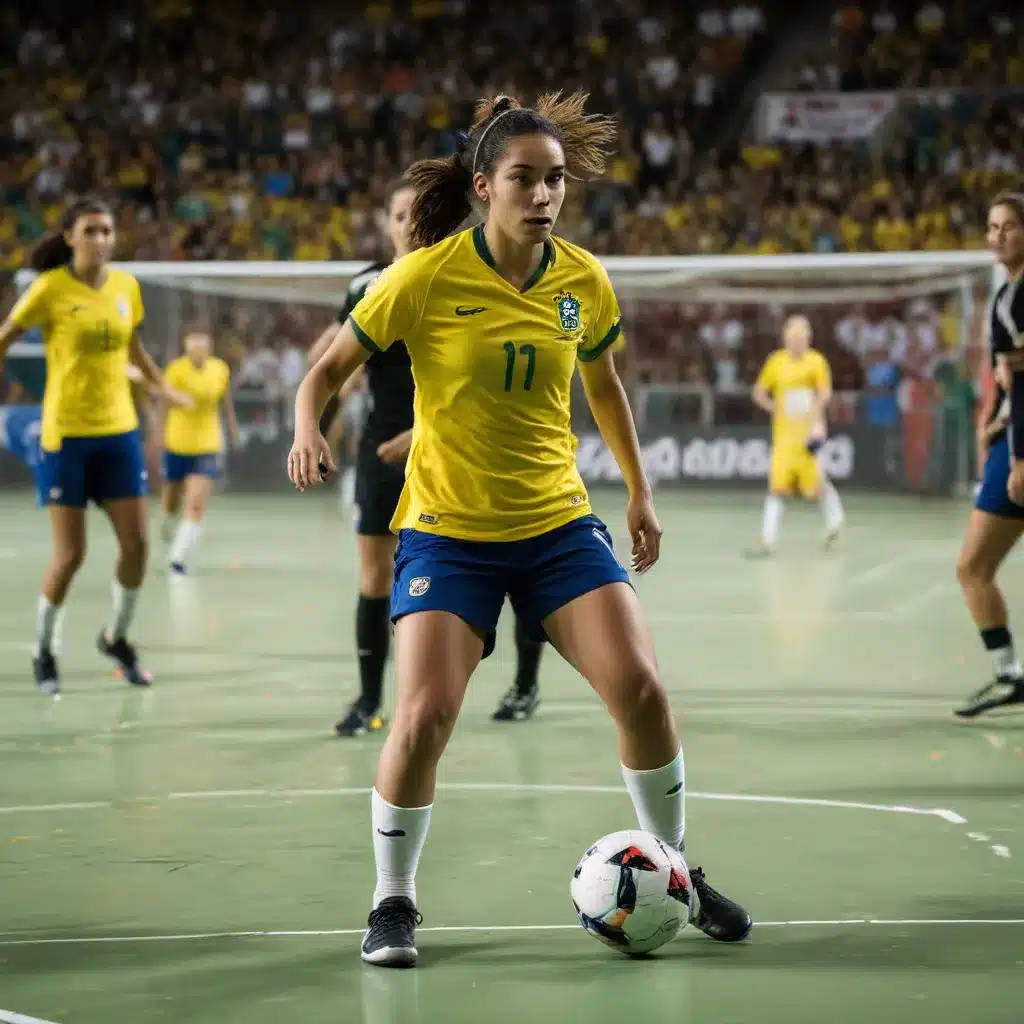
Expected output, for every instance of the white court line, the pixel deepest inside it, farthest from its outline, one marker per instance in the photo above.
(10, 1017)
(487, 787)
(103, 940)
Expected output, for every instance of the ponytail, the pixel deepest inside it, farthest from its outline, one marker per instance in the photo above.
(444, 187)
(442, 200)
(52, 250)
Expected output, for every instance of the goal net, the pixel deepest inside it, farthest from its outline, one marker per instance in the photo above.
(903, 332)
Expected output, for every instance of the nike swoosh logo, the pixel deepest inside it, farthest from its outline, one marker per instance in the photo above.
(395, 833)
(469, 310)
(675, 789)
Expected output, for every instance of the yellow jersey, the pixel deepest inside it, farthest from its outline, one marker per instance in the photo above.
(793, 384)
(493, 457)
(87, 333)
(196, 430)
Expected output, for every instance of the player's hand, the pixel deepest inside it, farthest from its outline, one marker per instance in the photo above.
(310, 459)
(178, 398)
(395, 449)
(235, 438)
(1015, 485)
(645, 531)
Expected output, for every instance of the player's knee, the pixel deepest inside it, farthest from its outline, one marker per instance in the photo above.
(423, 725)
(375, 577)
(68, 559)
(135, 548)
(972, 569)
(643, 698)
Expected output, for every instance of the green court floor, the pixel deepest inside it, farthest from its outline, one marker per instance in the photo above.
(200, 853)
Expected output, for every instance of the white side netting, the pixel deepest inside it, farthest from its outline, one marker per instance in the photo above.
(698, 327)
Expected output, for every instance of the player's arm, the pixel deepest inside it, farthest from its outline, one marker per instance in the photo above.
(143, 361)
(395, 449)
(31, 310)
(390, 309)
(764, 386)
(608, 402)
(230, 417)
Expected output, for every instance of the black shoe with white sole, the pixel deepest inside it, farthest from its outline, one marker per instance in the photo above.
(717, 916)
(390, 939)
(1000, 693)
(44, 667)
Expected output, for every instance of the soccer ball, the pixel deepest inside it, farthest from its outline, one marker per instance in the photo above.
(632, 892)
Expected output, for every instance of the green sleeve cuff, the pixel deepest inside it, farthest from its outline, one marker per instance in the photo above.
(364, 339)
(589, 354)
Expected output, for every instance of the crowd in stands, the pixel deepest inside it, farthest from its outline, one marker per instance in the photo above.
(919, 44)
(238, 130)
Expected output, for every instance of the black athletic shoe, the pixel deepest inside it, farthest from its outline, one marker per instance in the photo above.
(390, 939)
(1001, 692)
(44, 666)
(516, 706)
(718, 917)
(125, 657)
(358, 721)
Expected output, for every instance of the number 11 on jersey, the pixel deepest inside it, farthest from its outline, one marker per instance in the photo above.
(510, 364)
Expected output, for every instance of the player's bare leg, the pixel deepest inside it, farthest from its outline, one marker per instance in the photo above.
(68, 528)
(129, 518)
(988, 541)
(604, 636)
(435, 654)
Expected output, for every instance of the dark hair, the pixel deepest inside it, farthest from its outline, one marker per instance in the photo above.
(1014, 200)
(444, 186)
(52, 250)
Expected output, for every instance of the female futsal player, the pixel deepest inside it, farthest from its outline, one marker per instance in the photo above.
(496, 319)
(997, 519)
(380, 476)
(194, 443)
(90, 314)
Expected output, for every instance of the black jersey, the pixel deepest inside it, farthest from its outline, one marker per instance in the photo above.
(388, 373)
(1006, 330)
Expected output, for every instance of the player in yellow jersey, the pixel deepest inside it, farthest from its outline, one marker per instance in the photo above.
(90, 314)
(794, 388)
(194, 443)
(496, 320)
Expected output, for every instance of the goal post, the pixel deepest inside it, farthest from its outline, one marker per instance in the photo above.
(697, 329)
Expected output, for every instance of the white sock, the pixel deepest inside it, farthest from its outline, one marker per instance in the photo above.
(659, 799)
(124, 610)
(398, 837)
(184, 541)
(772, 520)
(1006, 662)
(831, 505)
(49, 618)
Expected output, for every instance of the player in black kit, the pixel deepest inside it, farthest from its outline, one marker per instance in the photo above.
(997, 520)
(380, 476)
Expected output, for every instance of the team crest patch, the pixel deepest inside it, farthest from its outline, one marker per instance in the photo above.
(419, 586)
(122, 308)
(568, 307)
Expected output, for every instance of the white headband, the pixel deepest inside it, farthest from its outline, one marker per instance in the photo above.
(476, 152)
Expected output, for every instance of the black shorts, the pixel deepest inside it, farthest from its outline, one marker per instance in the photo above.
(378, 488)
(330, 411)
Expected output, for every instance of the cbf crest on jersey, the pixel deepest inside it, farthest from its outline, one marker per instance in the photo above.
(123, 308)
(568, 307)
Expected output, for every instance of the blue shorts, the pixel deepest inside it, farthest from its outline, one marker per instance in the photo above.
(177, 467)
(472, 578)
(96, 469)
(992, 496)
